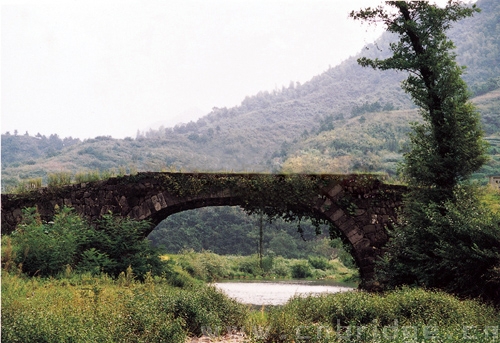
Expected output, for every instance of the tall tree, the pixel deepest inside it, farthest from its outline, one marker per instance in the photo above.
(446, 239)
(448, 146)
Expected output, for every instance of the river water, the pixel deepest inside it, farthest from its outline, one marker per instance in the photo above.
(276, 293)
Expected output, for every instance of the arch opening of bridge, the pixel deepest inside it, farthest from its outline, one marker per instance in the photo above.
(230, 230)
(360, 206)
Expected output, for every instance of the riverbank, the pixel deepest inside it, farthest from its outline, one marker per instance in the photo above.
(178, 308)
(211, 267)
(85, 308)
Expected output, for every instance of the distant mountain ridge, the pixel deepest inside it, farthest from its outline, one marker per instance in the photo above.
(346, 119)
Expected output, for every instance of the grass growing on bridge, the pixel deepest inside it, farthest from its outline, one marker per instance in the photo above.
(65, 178)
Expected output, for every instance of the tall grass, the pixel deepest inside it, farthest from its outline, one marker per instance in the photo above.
(83, 308)
(405, 315)
(58, 179)
(491, 197)
(208, 266)
(88, 176)
(25, 186)
(65, 178)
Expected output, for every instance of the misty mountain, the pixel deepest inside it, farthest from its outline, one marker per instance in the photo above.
(190, 114)
(346, 119)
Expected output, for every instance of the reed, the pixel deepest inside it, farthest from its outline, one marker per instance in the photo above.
(59, 179)
(404, 315)
(86, 308)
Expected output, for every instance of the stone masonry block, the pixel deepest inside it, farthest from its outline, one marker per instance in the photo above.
(347, 225)
(161, 200)
(156, 203)
(369, 228)
(355, 236)
(337, 214)
(337, 189)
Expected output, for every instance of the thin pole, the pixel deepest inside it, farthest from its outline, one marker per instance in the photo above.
(261, 239)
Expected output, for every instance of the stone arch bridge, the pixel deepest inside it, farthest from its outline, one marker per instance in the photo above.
(360, 206)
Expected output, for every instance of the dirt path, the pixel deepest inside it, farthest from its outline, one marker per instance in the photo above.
(229, 338)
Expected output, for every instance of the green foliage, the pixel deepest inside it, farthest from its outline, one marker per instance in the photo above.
(210, 267)
(46, 249)
(318, 262)
(122, 242)
(59, 179)
(231, 231)
(404, 315)
(370, 108)
(90, 176)
(93, 261)
(27, 149)
(289, 197)
(343, 252)
(457, 251)
(25, 186)
(249, 266)
(491, 199)
(285, 244)
(325, 124)
(205, 266)
(445, 238)
(301, 270)
(205, 308)
(64, 178)
(81, 308)
(447, 147)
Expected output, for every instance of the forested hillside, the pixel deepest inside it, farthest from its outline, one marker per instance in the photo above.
(374, 142)
(229, 230)
(347, 119)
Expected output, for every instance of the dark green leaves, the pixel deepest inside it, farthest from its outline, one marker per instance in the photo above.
(445, 238)
(46, 249)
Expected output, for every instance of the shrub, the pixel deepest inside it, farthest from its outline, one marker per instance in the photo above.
(267, 263)
(46, 248)
(26, 185)
(249, 265)
(89, 176)
(318, 262)
(453, 246)
(122, 240)
(343, 253)
(205, 266)
(300, 270)
(363, 317)
(214, 265)
(206, 308)
(94, 262)
(281, 267)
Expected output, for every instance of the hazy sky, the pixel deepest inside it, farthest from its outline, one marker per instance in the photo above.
(90, 68)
